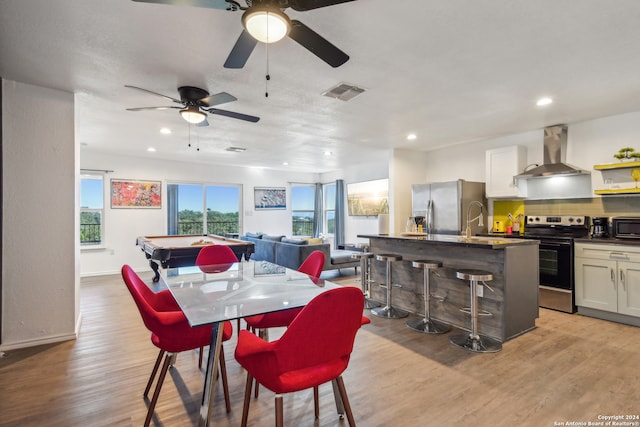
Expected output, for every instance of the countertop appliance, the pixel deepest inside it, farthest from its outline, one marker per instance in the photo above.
(445, 204)
(556, 234)
(625, 227)
(599, 227)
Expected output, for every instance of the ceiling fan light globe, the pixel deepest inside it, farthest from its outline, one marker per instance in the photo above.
(267, 25)
(193, 115)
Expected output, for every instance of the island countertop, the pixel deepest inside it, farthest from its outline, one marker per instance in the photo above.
(491, 242)
(510, 300)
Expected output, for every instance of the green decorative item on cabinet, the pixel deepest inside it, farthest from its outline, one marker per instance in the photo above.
(627, 153)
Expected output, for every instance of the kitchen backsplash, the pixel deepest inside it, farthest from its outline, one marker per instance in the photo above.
(600, 206)
(597, 206)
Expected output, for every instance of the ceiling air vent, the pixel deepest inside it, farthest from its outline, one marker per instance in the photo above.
(343, 91)
(236, 149)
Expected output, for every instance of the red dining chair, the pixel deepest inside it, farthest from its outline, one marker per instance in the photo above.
(315, 349)
(215, 259)
(170, 332)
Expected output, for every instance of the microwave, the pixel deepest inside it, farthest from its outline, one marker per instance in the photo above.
(625, 227)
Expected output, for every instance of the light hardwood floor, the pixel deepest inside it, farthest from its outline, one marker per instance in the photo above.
(571, 368)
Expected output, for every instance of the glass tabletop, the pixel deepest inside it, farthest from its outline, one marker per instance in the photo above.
(215, 293)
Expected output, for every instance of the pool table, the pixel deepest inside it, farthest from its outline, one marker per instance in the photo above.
(180, 251)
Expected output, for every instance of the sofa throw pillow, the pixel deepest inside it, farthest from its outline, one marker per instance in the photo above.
(272, 238)
(315, 241)
(294, 241)
(254, 235)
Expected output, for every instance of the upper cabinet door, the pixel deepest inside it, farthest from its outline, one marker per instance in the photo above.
(502, 164)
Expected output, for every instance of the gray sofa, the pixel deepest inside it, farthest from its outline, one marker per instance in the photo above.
(291, 253)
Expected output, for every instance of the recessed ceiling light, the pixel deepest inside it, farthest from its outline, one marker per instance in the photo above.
(544, 101)
(285, 163)
(151, 150)
(411, 136)
(327, 153)
(165, 131)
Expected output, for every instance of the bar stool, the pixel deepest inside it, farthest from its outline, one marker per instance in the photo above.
(473, 341)
(388, 311)
(365, 273)
(427, 325)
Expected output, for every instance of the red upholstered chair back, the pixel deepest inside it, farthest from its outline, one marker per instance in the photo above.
(220, 255)
(323, 333)
(313, 264)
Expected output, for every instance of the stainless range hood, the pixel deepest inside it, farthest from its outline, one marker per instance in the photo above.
(555, 147)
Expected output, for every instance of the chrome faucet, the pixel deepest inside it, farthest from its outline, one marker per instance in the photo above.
(467, 232)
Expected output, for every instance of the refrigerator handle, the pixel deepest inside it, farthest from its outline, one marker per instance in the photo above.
(429, 216)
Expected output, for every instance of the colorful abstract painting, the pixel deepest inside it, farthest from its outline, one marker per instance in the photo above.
(136, 194)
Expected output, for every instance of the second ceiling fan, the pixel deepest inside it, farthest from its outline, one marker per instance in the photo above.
(265, 21)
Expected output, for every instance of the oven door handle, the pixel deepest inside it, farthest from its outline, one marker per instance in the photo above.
(554, 245)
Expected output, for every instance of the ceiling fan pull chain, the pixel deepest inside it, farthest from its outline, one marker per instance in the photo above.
(267, 77)
(189, 127)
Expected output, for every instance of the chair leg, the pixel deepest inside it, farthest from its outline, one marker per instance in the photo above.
(345, 401)
(264, 334)
(200, 358)
(153, 373)
(247, 400)
(156, 393)
(316, 402)
(279, 411)
(225, 383)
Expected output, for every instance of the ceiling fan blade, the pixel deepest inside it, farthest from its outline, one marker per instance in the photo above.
(234, 115)
(241, 51)
(302, 5)
(154, 93)
(202, 123)
(211, 4)
(152, 108)
(217, 99)
(317, 44)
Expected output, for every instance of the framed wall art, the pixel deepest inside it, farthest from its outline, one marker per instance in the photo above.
(368, 198)
(270, 198)
(128, 193)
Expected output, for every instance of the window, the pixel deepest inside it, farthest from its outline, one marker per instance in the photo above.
(302, 205)
(91, 209)
(329, 224)
(188, 202)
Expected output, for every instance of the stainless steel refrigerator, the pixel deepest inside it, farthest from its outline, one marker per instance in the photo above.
(445, 204)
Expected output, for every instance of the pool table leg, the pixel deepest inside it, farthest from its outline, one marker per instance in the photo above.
(154, 266)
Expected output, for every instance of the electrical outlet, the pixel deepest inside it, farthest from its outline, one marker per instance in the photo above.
(480, 290)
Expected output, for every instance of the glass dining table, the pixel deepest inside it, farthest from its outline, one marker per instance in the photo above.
(212, 294)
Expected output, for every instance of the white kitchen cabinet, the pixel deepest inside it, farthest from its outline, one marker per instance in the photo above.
(608, 278)
(502, 164)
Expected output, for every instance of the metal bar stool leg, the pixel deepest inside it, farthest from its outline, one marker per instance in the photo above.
(473, 341)
(365, 272)
(427, 325)
(388, 311)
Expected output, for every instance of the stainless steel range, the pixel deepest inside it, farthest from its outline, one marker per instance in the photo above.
(556, 234)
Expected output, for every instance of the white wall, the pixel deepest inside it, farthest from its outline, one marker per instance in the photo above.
(406, 168)
(40, 278)
(122, 226)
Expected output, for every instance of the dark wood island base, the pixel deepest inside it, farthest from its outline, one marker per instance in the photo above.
(512, 301)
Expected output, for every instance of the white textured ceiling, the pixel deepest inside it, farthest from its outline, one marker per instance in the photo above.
(451, 71)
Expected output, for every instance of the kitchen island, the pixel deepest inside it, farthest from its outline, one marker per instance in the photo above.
(512, 301)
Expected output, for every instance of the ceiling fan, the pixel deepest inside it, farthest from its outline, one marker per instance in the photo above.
(265, 21)
(193, 102)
